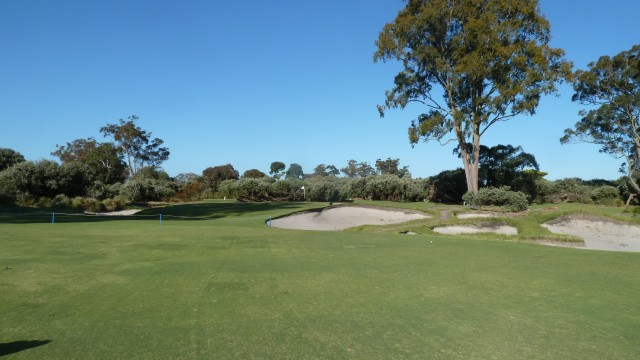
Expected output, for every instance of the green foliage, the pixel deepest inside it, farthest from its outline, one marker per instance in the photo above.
(392, 167)
(136, 144)
(276, 169)
(323, 170)
(448, 187)
(253, 173)
(87, 204)
(491, 59)
(246, 189)
(326, 189)
(147, 189)
(502, 197)
(213, 176)
(9, 157)
(611, 89)
(606, 195)
(191, 191)
(392, 188)
(357, 169)
(294, 172)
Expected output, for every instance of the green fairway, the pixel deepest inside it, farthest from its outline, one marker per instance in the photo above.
(221, 284)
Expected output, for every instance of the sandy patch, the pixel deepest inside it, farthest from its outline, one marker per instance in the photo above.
(599, 234)
(474, 215)
(496, 228)
(344, 217)
(116, 213)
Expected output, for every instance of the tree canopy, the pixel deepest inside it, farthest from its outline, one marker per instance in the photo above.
(357, 169)
(103, 159)
(488, 60)
(294, 172)
(276, 169)
(9, 157)
(323, 170)
(392, 167)
(136, 144)
(213, 176)
(611, 88)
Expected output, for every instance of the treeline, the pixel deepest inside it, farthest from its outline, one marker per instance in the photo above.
(106, 176)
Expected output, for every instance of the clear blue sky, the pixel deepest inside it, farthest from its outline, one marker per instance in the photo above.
(251, 82)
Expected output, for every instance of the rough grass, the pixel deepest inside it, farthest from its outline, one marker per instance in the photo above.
(230, 287)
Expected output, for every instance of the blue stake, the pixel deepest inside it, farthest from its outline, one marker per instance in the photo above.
(269, 220)
(160, 219)
(53, 217)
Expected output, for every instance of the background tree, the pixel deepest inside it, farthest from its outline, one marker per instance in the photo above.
(213, 176)
(501, 165)
(612, 86)
(253, 174)
(357, 169)
(490, 58)
(276, 169)
(9, 157)
(103, 159)
(323, 170)
(392, 167)
(76, 150)
(136, 144)
(294, 172)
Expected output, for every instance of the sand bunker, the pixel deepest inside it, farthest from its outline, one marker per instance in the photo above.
(497, 228)
(474, 215)
(599, 234)
(343, 217)
(115, 213)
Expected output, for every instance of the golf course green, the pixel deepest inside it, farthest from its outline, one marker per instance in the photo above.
(214, 281)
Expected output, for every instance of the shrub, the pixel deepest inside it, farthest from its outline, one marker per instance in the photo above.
(392, 188)
(502, 197)
(87, 204)
(605, 195)
(448, 187)
(323, 191)
(147, 189)
(115, 204)
(61, 201)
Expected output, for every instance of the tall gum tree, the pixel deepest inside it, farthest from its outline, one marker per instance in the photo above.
(611, 87)
(488, 60)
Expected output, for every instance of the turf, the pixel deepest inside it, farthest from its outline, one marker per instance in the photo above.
(225, 285)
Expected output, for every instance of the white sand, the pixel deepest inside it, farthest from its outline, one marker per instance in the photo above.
(343, 217)
(476, 229)
(116, 213)
(599, 234)
(474, 215)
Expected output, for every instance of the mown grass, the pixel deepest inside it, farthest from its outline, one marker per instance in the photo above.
(229, 287)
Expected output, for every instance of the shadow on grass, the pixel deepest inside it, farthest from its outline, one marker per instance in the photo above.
(17, 346)
(181, 212)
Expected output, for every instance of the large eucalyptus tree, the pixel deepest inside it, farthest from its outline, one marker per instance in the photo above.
(471, 63)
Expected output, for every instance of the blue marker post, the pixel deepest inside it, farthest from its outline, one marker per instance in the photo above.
(53, 217)
(160, 219)
(269, 220)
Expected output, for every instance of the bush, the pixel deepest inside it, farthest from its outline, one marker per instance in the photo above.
(448, 187)
(115, 204)
(502, 197)
(147, 189)
(87, 204)
(323, 191)
(391, 188)
(606, 195)
(61, 201)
